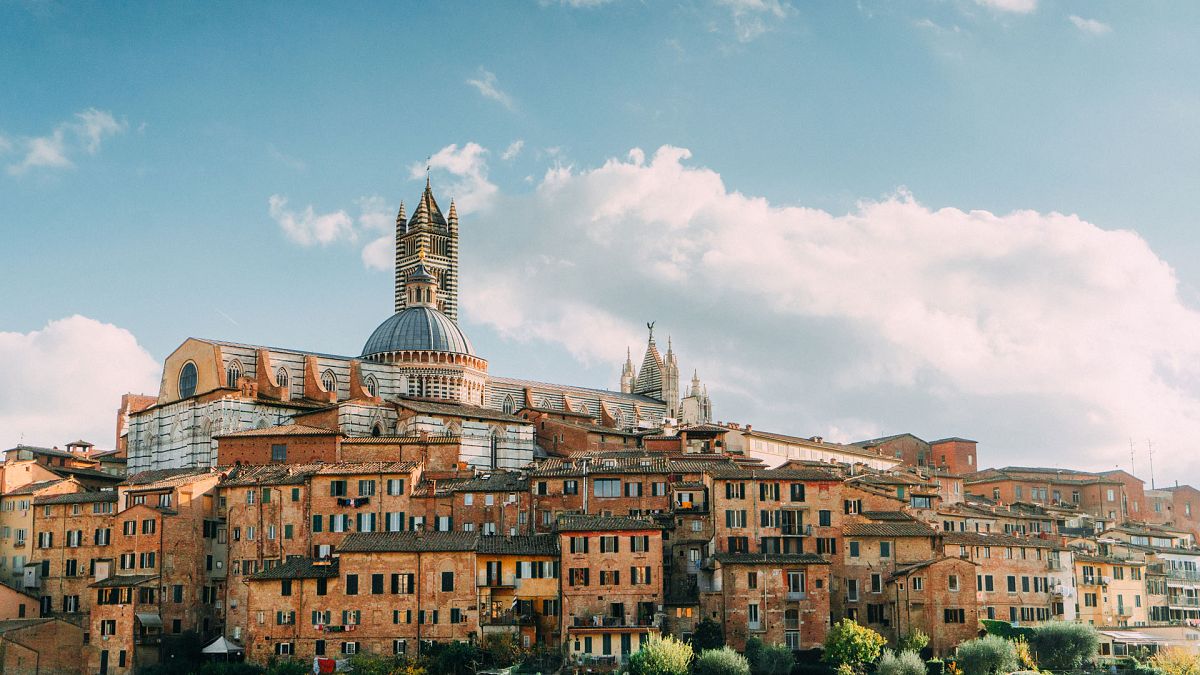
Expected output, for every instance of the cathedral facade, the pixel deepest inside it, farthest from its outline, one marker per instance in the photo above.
(417, 374)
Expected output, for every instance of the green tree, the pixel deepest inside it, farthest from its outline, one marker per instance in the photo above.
(989, 655)
(723, 661)
(708, 635)
(852, 645)
(773, 660)
(455, 658)
(1062, 645)
(914, 641)
(661, 656)
(502, 649)
(754, 647)
(907, 662)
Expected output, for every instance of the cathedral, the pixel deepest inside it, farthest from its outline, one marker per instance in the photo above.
(417, 376)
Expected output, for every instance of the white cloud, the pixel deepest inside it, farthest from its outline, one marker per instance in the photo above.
(750, 17)
(1035, 332)
(64, 381)
(1012, 6)
(291, 162)
(489, 87)
(1090, 26)
(510, 153)
(470, 187)
(53, 151)
(308, 227)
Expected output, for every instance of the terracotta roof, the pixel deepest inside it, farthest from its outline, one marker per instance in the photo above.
(578, 522)
(788, 473)
(902, 570)
(31, 488)
(994, 539)
(888, 515)
(282, 430)
(770, 559)
(77, 498)
(522, 544)
(49, 452)
(888, 529)
(407, 542)
(949, 439)
(158, 479)
(427, 407)
(124, 580)
(85, 473)
(299, 568)
(1107, 560)
(499, 481)
(297, 474)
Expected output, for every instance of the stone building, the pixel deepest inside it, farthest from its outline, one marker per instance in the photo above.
(1014, 576)
(417, 363)
(780, 598)
(78, 527)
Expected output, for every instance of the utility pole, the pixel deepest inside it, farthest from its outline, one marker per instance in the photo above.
(1150, 452)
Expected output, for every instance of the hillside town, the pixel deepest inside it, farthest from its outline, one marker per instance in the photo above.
(273, 504)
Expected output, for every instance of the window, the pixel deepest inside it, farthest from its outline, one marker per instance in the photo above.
(797, 492)
(278, 452)
(372, 385)
(952, 582)
(447, 582)
(376, 584)
(187, 380)
(852, 590)
(633, 489)
(578, 576)
(366, 488)
(853, 546)
(337, 488)
(752, 616)
(951, 615)
(468, 499)
(395, 486)
(329, 381)
(735, 490)
(281, 377)
(824, 518)
(233, 373)
(658, 489)
(570, 487)
(579, 544)
(606, 487)
(735, 519)
(610, 544)
(918, 583)
(351, 584)
(885, 549)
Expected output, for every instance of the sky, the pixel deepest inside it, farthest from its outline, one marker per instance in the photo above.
(946, 217)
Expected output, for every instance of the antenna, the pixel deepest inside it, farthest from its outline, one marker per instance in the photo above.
(1132, 470)
(1150, 452)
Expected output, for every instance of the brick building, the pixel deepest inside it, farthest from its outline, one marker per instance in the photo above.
(1014, 574)
(780, 598)
(79, 530)
(612, 585)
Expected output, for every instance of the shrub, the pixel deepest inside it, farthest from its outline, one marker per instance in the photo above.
(852, 645)
(1061, 645)
(907, 662)
(1006, 630)
(914, 641)
(773, 660)
(1024, 654)
(990, 655)
(754, 647)
(709, 635)
(935, 667)
(289, 668)
(1175, 661)
(454, 658)
(723, 661)
(661, 656)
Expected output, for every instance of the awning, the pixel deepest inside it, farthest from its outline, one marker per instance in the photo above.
(149, 619)
(223, 646)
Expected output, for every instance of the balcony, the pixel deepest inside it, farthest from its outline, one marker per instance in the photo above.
(497, 580)
(611, 622)
(1184, 575)
(1184, 601)
(796, 595)
(507, 618)
(792, 530)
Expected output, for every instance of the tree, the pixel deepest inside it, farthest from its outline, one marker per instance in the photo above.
(907, 662)
(773, 660)
(914, 641)
(661, 656)
(1175, 661)
(989, 655)
(852, 645)
(723, 661)
(502, 649)
(754, 647)
(708, 635)
(455, 658)
(1062, 645)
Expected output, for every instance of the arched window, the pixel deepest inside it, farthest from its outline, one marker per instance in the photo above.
(282, 376)
(377, 430)
(372, 385)
(329, 381)
(233, 373)
(510, 404)
(545, 403)
(187, 380)
(618, 417)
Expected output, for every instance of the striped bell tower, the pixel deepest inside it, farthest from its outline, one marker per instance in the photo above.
(437, 235)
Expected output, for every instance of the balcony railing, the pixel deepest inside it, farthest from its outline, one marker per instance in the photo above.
(1183, 601)
(797, 595)
(507, 618)
(1185, 575)
(612, 622)
(791, 530)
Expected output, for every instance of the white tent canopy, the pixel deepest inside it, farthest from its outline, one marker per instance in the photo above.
(223, 646)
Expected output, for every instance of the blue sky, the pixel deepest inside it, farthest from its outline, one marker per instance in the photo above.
(141, 145)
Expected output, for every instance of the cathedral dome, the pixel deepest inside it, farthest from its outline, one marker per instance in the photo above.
(419, 328)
